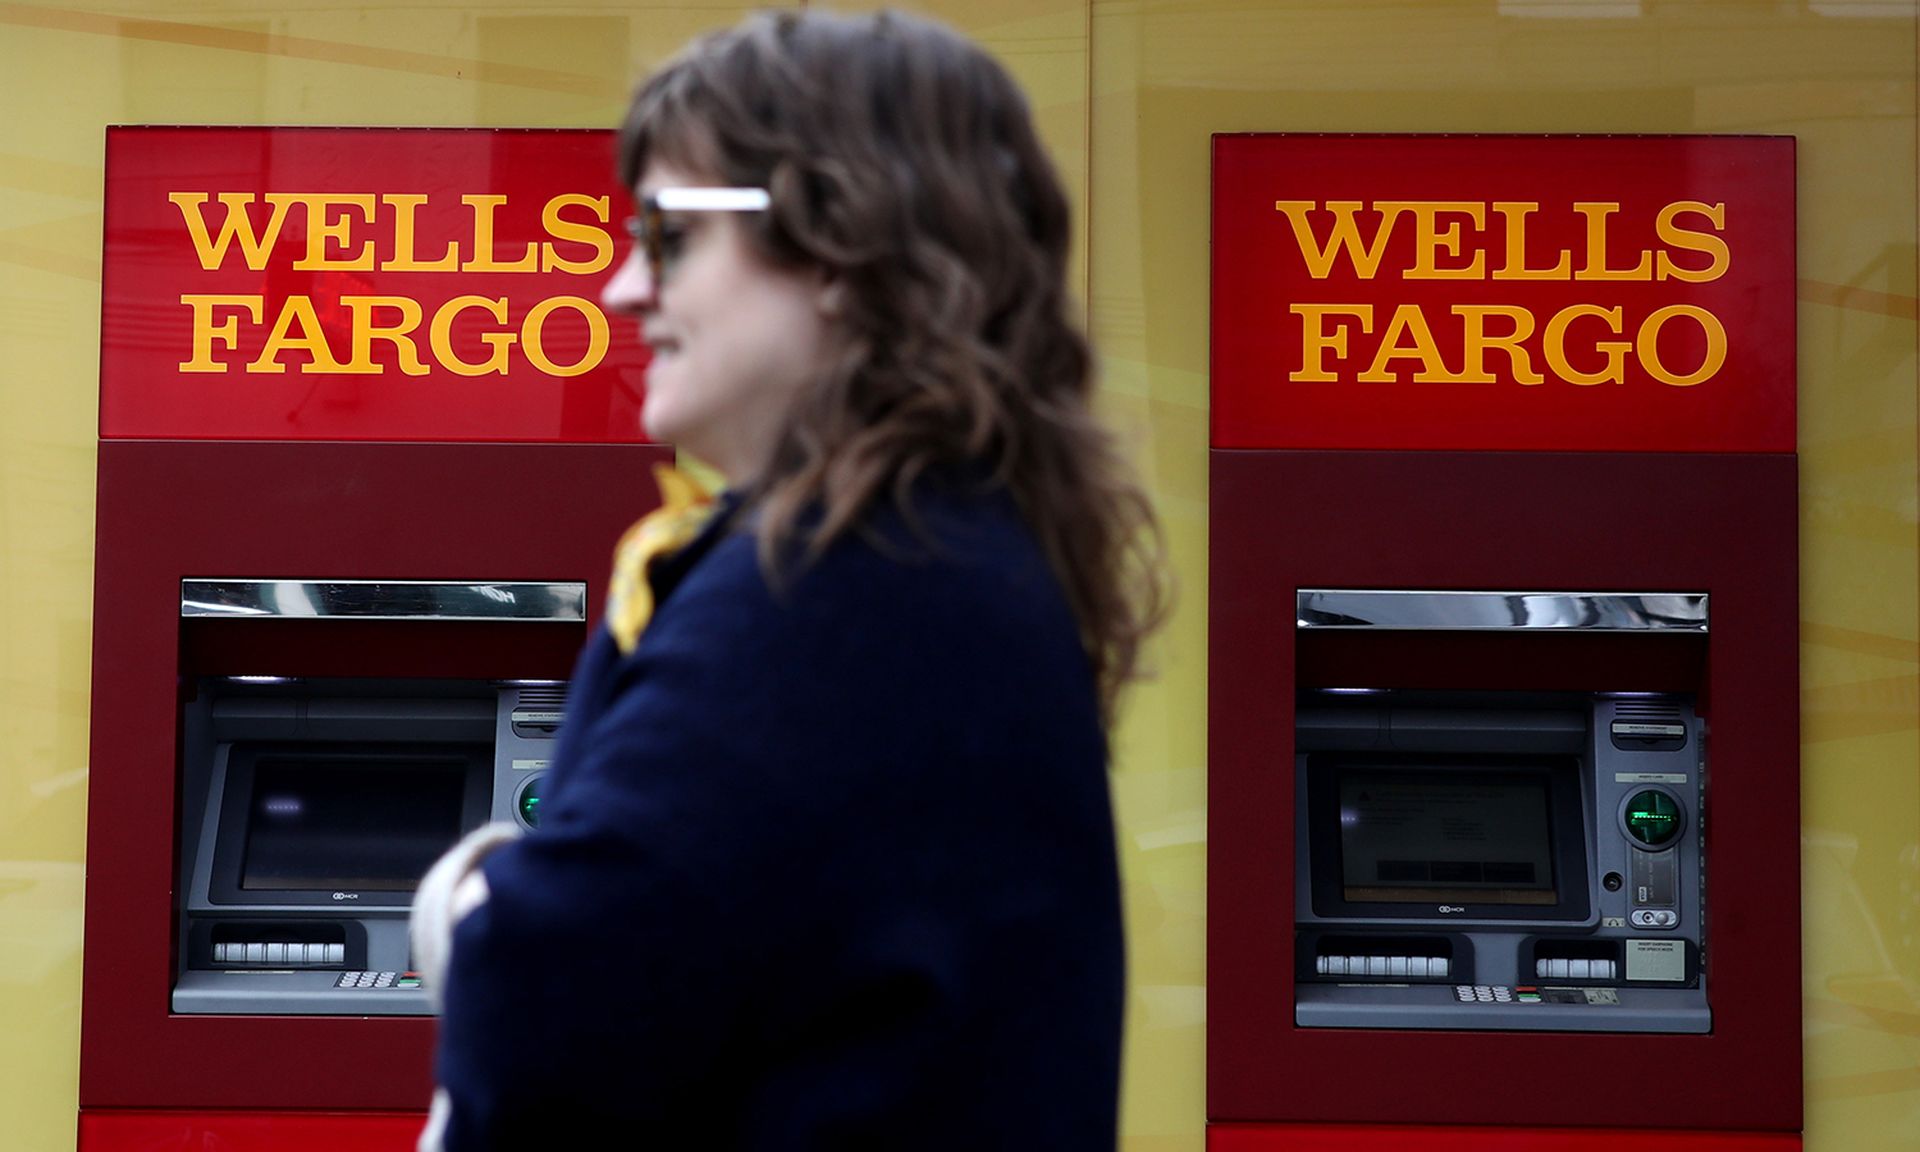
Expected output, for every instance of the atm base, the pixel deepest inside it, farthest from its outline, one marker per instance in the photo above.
(291, 993)
(1422, 1138)
(1527, 1009)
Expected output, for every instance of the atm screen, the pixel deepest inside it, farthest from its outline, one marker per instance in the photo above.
(1413, 835)
(1483, 837)
(366, 824)
(301, 824)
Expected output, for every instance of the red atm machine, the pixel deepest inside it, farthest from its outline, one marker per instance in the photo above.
(1503, 683)
(366, 445)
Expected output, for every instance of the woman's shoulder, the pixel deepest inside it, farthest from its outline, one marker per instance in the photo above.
(956, 573)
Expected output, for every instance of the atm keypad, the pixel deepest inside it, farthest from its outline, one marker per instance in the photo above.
(378, 980)
(1483, 993)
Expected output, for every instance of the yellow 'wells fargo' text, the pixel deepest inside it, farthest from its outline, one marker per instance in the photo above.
(1487, 241)
(368, 233)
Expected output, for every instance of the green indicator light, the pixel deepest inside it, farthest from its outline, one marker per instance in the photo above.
(1653, 818)
(530, 803)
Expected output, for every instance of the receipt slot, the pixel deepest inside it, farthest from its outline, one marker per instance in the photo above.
(334, 612)
(1503, 684)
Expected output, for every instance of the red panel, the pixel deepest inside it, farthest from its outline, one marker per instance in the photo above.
(369, 511)
(464, 650)
(1278, 384)
(1723, 524)
(1480, 660)
(1407, 1138)
(374, 211)
(248, 1131)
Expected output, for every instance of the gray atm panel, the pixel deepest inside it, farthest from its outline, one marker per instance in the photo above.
(264, 930)
(1620, 944)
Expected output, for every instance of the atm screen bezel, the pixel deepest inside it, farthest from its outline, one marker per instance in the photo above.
(235, 801)
(1567, 829)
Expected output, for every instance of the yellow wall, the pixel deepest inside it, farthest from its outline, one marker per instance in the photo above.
(1127, 93)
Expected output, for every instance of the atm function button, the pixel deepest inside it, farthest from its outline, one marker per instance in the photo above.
(1557, 969)
(276, 953)
(1463, 993)
(1404, 967)
(1580, 969)
(336, 953)
(1603, 969)
(1654, 918)
(256, 953)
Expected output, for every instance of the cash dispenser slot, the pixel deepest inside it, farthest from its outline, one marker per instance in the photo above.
(1406, 959)
(240, 944)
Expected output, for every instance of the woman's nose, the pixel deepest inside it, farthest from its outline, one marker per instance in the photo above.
(632, 289)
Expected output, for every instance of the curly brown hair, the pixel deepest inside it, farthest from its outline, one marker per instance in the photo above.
(902, 162)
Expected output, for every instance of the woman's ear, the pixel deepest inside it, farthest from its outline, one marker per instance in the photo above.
(831, 299)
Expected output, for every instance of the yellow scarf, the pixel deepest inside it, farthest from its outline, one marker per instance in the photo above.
(685, 507)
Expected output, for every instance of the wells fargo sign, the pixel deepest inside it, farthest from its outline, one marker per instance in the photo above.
(414, 284)
(1503, 292)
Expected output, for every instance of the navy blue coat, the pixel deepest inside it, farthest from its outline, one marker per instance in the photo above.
(830, 867)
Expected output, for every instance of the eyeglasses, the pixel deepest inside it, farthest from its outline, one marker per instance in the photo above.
(662, 241)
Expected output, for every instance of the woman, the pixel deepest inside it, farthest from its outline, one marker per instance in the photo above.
(827, 857)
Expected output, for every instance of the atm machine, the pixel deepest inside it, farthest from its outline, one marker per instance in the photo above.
(1503, 686)
(311, 809)
(336, 601)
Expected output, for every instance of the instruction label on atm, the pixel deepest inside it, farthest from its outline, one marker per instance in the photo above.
(1657, 960)
(1649, 777)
